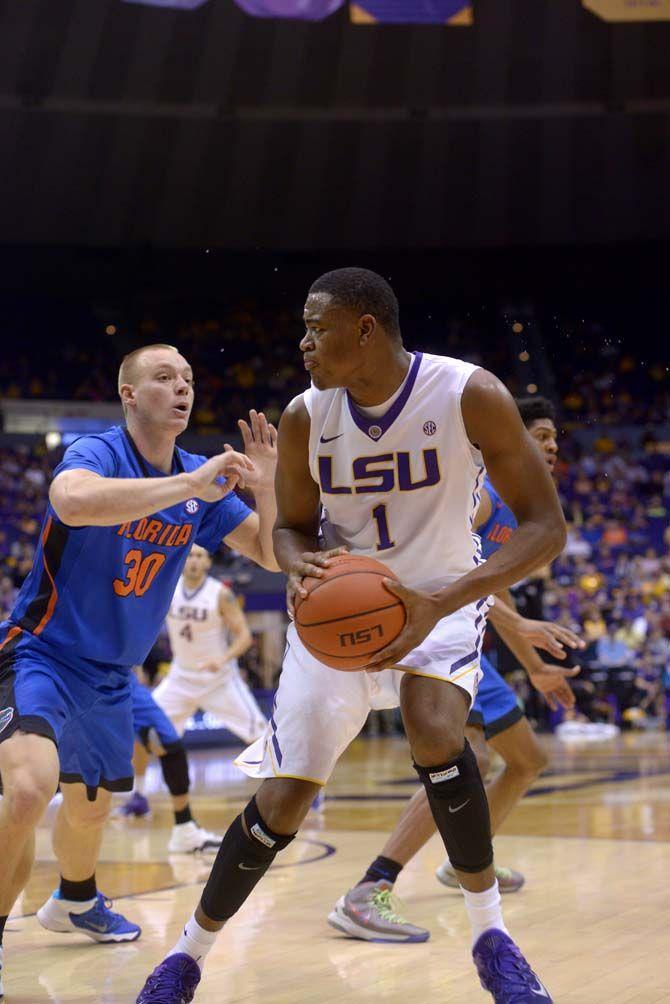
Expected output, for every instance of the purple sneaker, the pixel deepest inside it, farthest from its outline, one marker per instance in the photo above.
(172, 982)
(136, 805)
(504, 972)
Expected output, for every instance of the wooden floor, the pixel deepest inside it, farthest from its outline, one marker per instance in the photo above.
(593, 840)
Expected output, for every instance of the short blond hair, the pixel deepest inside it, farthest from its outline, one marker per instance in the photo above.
(128, 367)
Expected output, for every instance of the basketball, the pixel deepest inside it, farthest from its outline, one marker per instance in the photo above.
(349, 615)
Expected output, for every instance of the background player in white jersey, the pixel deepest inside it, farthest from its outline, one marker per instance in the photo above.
(208, 632)
(393, 446)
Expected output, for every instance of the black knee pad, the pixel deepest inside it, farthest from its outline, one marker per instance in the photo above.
(458, 800)
(241, 862)
(174, 766)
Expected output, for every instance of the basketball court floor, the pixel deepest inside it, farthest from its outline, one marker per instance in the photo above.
(593, 839)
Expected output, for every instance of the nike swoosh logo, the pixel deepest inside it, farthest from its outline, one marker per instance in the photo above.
(539, 991)
(330, 438)
(246, 868)
(459, 807)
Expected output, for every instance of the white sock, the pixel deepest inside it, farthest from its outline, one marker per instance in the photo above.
(484, 910)
(195, 941)
(140, 782)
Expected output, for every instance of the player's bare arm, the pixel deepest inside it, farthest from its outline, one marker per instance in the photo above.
(253, 537)
(520, 475)
(298, 506)
(84, 498)
(240, 634)
(541, 634)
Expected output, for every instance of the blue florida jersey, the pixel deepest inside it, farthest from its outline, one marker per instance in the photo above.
(97, 595)
(500, 525)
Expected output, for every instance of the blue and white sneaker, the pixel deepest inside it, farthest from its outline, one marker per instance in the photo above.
(98, 922)
(172, 982)
(504, 972)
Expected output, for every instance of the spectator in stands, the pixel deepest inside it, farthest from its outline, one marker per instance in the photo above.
(611, 652)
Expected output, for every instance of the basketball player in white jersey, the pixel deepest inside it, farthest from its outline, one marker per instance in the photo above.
(208, 632)
(393, 446)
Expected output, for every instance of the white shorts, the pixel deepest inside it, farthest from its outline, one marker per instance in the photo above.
(225, 695)
(319, 711)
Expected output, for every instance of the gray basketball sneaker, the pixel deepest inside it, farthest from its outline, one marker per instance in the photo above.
(509, 880)
(369, 911)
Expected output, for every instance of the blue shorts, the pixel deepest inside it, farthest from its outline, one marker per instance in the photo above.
(87, 715)
(149, 716)
(496, 708)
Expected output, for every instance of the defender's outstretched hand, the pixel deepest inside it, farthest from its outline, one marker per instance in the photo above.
(552, 683)
(205, 481)
(551, 637)
(260, 445)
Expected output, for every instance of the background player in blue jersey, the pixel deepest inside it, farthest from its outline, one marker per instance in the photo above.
(124, 508)
(367, 911)
(155, 734)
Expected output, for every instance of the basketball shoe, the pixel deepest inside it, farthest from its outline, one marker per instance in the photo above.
(136, 805)
(189, 838)
(369, 912)
(504, 972)
(173, 981)
(508, 879)
(98, 922)
(2, 992)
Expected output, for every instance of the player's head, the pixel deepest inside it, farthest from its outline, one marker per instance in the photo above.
(539, 416)
(347, 314)
(156, 387)
(198, 563)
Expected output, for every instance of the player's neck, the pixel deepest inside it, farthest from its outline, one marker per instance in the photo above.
(193, 584)
(381, 378)
(155, 445)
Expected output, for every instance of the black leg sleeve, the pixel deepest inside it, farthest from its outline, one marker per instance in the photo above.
(458, 799)
(241, 862)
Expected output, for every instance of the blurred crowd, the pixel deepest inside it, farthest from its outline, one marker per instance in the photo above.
(247, 355)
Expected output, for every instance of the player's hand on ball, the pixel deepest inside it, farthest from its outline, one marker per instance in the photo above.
(205, 481)
(552, 683)
(310, 563)
(551, 637)
(422, 616)
(260, 445)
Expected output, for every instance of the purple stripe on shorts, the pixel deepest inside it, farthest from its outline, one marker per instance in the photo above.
(277, 750)
(464, 661)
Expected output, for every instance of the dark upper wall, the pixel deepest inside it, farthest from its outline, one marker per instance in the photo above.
(126, 125)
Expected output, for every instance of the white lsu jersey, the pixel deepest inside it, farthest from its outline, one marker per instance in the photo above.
(198, 633)
(404, 487)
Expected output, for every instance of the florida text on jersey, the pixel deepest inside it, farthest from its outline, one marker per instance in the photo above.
(97, 595)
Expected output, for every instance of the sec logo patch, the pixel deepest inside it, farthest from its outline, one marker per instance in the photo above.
(192, 506)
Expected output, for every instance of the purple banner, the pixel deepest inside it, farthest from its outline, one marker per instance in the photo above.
(298, 10)
(456, 12)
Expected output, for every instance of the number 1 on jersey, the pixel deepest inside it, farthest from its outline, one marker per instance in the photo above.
(384, 538)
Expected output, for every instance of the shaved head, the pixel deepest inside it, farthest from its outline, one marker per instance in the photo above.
(131, 364)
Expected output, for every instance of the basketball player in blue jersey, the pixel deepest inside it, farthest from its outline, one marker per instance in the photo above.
(377, 424)
(368, 910)
(124, 508)
(156, 735)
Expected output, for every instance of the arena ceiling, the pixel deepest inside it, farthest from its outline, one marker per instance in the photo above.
(129, 125)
